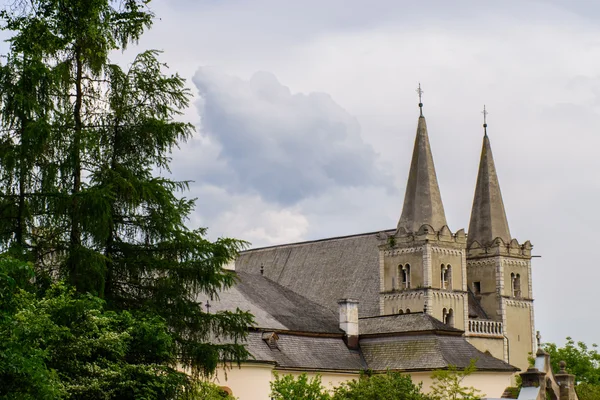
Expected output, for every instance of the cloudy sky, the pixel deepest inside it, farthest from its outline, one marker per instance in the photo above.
(306, 114)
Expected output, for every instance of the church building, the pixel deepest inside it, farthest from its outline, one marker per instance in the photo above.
(415, 298)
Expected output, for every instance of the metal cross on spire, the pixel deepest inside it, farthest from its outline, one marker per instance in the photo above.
(485, 113)
(420, 93)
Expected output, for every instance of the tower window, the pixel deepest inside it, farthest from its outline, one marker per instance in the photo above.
(446, 276)
(406, 276)
(516, 284)
(448, 317)
(477, 287)
(408, 310)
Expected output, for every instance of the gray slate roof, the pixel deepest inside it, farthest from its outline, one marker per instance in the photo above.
(403, 323)
(303, 352)
(324, 271)
(488, 217)
(422, 200)
(275, 307)
(426, 352)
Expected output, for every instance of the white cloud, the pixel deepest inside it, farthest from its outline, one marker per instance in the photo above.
(285, 147)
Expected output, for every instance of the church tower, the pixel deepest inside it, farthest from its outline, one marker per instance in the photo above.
(423, 264)
(498, 267)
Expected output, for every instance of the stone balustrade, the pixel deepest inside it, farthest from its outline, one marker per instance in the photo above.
(483, 327)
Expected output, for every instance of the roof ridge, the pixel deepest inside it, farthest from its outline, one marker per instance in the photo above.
(305, 242)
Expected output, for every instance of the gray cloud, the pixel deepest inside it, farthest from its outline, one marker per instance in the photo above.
(285, 147)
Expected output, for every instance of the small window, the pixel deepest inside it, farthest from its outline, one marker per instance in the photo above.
(400, 312)
(446, 276)
(406, 276)
(515, 284)
(448, 317)
(477, 287)
(408, 310)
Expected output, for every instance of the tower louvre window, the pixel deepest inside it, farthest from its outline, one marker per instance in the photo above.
(477, 287)
(516, 284)
(405, 272)
(446, 276)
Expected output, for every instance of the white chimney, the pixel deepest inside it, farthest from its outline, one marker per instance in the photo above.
(349, 321)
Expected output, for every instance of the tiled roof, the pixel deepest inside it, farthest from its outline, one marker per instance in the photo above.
(426, 352)
(304, 352)
(403, 323)
(275, 307)
(324, 271)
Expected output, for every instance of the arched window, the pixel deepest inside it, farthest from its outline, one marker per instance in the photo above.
(516, 283)
(400, 312)
(406, 276)
(449, 317)
(446, 276)
(408, 310)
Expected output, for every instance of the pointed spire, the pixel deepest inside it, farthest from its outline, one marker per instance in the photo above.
(422, 201)
(488, 217)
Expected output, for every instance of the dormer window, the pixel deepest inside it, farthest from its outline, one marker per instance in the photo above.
(446, 276)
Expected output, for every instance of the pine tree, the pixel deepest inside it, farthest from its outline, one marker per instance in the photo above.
(95, 211)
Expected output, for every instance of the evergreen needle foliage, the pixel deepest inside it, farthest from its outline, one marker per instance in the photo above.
(81, 141)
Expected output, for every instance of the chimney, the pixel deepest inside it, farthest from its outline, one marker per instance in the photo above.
(349, 321)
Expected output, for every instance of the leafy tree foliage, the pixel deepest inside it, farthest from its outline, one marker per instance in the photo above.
(588, 391)
(61, 344)
(448, 384)
(388, 386)
(204, 390)
(287, 387)
(81, 142)
(583, 361)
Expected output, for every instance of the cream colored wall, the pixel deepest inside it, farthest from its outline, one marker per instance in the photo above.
(454, 301)
(250, 381)
(494, 346)
(391, 263)
(488, 299)
(491, 384)
(437, 260)
(412, 300)
(519, 332)
(523, 271)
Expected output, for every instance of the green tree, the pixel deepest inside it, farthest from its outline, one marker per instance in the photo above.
(583, 361)
(448, 384)
(61, 344)
(287, 387)
(388, 386)
(587, 391)
(95, 211)
(204, 390)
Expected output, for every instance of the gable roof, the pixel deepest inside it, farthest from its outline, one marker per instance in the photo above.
(323, 271)
(275, 307)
